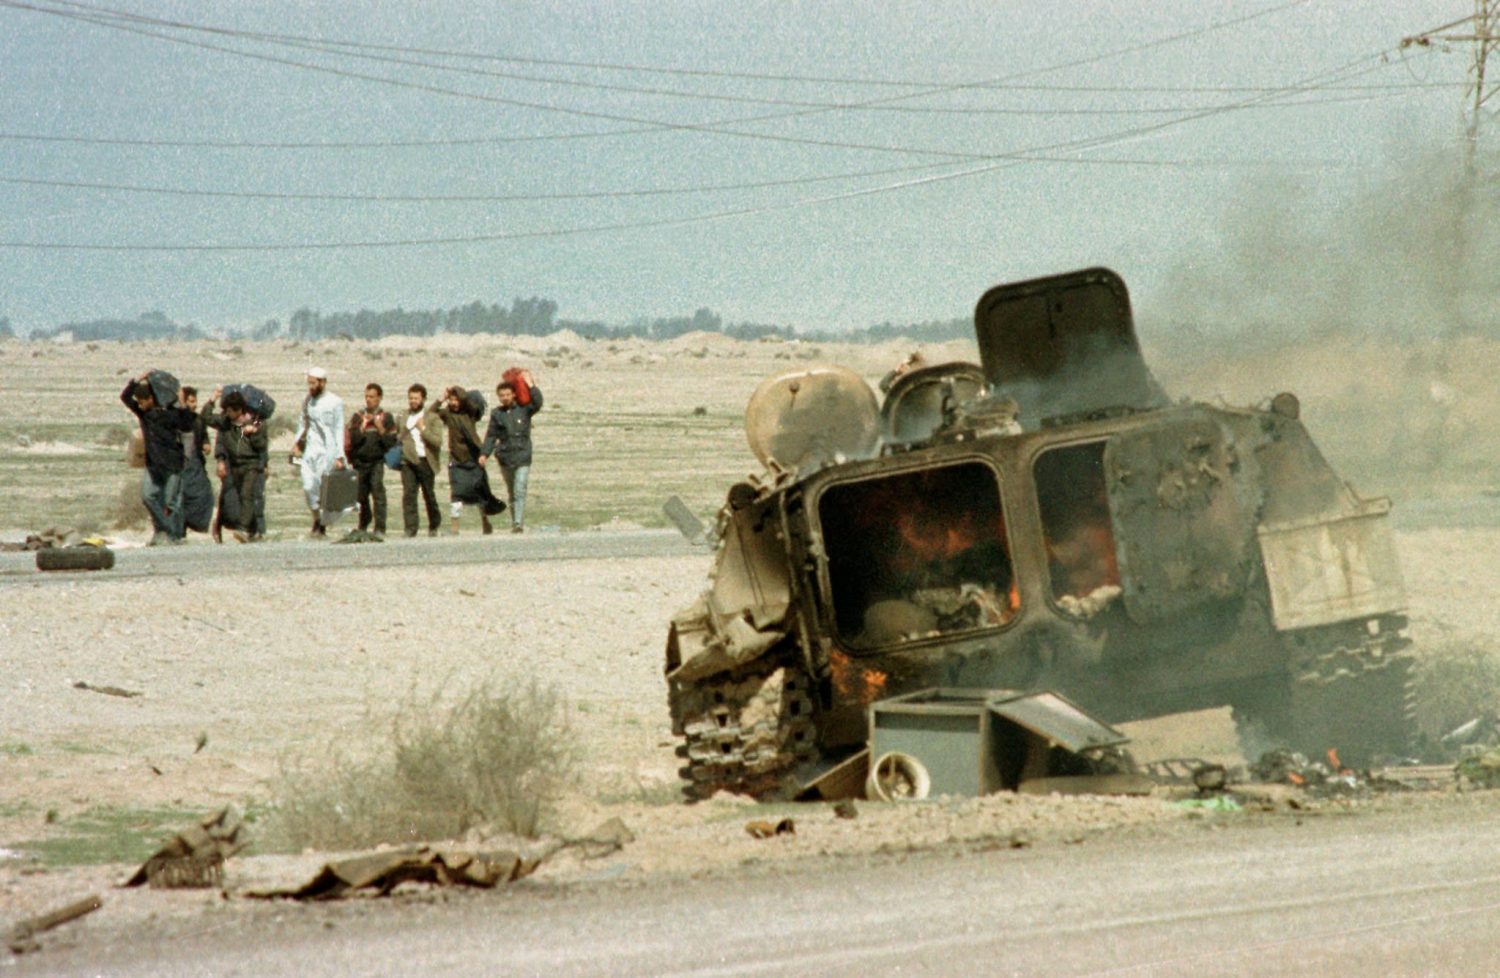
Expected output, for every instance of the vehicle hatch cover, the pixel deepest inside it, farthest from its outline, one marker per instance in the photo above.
(1064, 345)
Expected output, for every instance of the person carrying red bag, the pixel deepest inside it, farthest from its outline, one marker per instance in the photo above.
(509, 438)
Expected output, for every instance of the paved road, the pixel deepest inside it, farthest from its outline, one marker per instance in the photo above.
(198, 558)
(1388, 895)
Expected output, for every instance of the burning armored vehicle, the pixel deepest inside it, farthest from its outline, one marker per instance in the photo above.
(1047, 518)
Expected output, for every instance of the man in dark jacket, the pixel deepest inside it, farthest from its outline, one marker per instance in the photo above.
(241, 453)
(509, 440)
(162, 428)
(460, 410)
(421, 449)
(371, 433)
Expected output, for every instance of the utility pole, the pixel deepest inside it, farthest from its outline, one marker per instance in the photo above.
(1481, 30)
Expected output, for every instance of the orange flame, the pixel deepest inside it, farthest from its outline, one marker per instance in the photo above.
(855, 682)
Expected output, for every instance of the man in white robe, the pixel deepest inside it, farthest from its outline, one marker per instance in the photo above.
(320, 444)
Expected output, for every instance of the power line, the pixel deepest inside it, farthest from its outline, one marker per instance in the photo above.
(109, 18)
(627, 193)
(657, 69)
(356, 50)
(1343, 72)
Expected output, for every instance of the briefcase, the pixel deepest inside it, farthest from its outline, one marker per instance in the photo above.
(339, 491)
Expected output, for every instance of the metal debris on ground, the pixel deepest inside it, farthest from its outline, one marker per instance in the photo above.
(22, 936)
(1414, 777)
(688, 524)
(971, 742)
(845, 809)
(128, 694)
(1481, 770)
(53, 536)
(1333, 779)
(1282, 766)
(360, 536)
(195, 856)
(1174, 770)
(762, 829)
(382, 872)
(1210, 779)
(1483, 730)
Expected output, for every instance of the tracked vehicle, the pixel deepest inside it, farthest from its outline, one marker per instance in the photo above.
(1047, 518)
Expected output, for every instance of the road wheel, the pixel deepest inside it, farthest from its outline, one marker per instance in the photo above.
(744, 733)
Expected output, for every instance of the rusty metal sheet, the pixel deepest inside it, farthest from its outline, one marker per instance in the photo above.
(1330, 570)
(1182, 499)
(1058, 719)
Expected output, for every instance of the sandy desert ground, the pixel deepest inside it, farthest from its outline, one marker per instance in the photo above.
(269, 662)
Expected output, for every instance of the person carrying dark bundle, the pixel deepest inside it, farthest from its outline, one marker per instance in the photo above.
(461, 410)
(163, 426)
(241, 454)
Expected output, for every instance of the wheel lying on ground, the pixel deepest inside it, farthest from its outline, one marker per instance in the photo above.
(75, 559)
(744, 733)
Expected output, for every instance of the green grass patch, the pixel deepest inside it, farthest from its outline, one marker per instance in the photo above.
(76, 747)
(109, 835)
(16, 750)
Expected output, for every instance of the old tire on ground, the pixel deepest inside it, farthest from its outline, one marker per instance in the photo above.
(75, 559)
(744, 732)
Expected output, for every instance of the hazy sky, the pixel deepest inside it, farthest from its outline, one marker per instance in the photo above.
(898, 253)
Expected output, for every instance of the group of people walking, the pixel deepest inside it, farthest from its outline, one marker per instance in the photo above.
(177, 494)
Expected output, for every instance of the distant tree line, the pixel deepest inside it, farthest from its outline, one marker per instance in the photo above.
(149, 326)
(523, 317)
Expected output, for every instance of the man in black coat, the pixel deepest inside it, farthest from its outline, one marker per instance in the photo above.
(241, 453)
(162, 428)
(371, 433)
(461, 411)
(509, 440)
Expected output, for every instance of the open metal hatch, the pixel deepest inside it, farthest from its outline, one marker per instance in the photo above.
(1064, 345)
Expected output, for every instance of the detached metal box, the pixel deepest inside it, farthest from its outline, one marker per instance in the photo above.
(947, 730)
(977, 741)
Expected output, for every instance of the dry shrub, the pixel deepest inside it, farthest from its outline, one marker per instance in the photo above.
(497, 758)
(128, 509)
(115, 436)
(281, 424)
(1456, 681)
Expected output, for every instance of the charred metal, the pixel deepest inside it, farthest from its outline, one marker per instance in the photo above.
(1046, 519)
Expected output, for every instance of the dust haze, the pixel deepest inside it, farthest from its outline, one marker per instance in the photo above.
(1377, 306)
(1404, 253)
